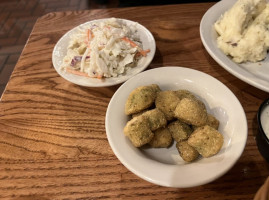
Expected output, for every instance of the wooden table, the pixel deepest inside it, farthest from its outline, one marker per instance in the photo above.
(53, 142)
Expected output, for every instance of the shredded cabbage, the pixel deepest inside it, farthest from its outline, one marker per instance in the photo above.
(104, 49)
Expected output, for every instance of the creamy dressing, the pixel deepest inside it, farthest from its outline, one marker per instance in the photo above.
(265, 121)
(105, 48)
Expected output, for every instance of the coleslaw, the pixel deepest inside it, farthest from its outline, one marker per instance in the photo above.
(103, 49)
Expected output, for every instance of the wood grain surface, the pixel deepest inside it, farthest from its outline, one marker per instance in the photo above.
(53, 143)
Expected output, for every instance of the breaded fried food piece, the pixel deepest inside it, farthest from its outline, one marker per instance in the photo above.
(156, 119)
(206, 140)
(138, 131)
(187, 152)
(211, 121)
(162, 138)
(140, 113)
(141, 98)
(191, 112)
(167, 101)
(185, 94)
(179, 130)
(155, 87)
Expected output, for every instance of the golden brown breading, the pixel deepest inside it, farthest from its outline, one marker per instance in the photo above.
(139, 113)
(184, 94)
(187, 152)
(162, 138)
(141, 98)
(191, 112)
(156, 119)
(152, 110)
(206, 140)
(179, 130)
(212, 121)
(155, 88)
(167, 101)
(138, 131)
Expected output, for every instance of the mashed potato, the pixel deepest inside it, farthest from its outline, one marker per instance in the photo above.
(244, 31)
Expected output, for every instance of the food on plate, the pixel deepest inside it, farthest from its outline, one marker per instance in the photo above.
(138, 131)
(187, 152)
(141, 98)
(160, 117)
(191, 111)
(184, 94)
(179, 130)
(243, 31)
(156, 119)
(106, 48)
(235, 21)
(167, 101)
(211, 121)
(206, 140)
(162, 138)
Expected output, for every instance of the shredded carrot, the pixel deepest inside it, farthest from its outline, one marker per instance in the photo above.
(133, 44)
(99, 77)
(144, 52)
(79, 73)
(76, 72)
(129, 41)
(89, 35)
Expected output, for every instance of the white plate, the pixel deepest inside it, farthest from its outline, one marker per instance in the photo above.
(255, 74)
(60, 50)
(164, 166)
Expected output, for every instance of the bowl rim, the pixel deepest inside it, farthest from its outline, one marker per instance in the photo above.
(59, 48)
(166, 180)
(246, 72)
(264, 104)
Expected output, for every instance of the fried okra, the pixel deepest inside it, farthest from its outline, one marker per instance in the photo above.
(139, 113)
(167, 102)
(179, 130)
(206, 140)
(187, 152)
(184, 94)
(152, 111)
(211, 121)
(156, 119)
(141, 98)
(191, 111)
(138, 131)
(162, 138)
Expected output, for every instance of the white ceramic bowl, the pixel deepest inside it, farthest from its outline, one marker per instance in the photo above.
(60, 50)
(164, 166)
(255, 74)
